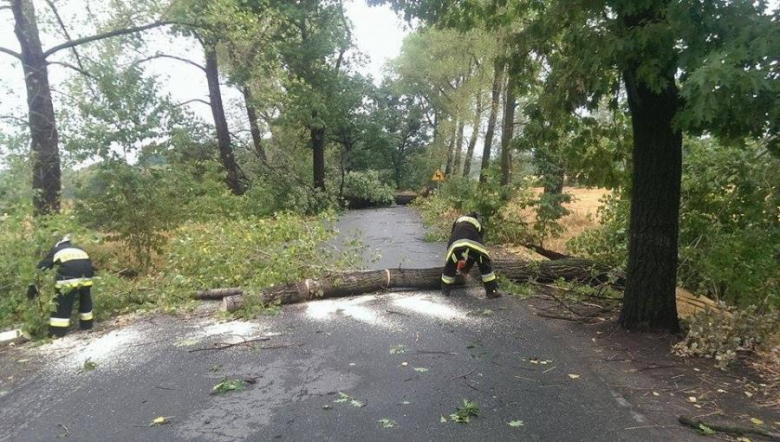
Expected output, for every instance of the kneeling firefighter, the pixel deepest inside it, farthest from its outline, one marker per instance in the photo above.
(73, 279)
(464, 249)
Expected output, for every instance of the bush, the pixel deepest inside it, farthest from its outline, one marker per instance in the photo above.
(729, 240)
(363, 189)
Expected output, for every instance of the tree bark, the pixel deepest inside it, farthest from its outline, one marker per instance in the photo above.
(318, 156)
(649, 298)
(508, 131)
(44, 146)
(495, 99)
(234, 178)
(474, 136)
(451, 149)
(458, 150)
(254, 128)
(356, 283)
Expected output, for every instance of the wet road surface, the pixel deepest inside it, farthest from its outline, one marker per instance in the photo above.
(407, 359)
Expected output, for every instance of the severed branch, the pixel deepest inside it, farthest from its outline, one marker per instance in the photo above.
(224, 346)
(729, 429)
(194, 100)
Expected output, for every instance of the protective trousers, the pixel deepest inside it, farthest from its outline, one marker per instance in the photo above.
(60, 318)
(471, 256)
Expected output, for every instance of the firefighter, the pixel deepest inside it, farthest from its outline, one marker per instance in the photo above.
(73, 279)
(466, 248)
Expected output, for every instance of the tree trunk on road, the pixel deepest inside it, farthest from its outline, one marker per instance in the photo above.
(508, 131)
(474, 136)
(495, 101)
(44, 147)
(356, 283)
(649, 298)
(234, 178)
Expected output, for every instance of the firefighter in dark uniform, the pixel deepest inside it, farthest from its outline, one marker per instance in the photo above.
(73, 279)
(466, 248)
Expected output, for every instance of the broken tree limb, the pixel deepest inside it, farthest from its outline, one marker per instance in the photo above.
(549, 254)
(729, 429)
(356, 283)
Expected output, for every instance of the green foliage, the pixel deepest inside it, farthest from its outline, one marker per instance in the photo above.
(465, 412)
(229, 386)
(608, 243)
(366, 189)
(722, 334)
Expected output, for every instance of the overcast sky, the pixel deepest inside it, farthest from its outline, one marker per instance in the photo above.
(378, 33)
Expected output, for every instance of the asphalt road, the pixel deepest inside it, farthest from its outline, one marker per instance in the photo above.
(409, 358)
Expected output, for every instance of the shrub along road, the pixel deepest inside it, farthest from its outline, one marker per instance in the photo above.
(390, 367)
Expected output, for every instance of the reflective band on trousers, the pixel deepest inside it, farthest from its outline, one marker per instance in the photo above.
(468, 219)
(468, 244)
(73, 283)
(489, 277)
(447, 279)
(85, 316)
(59, 322)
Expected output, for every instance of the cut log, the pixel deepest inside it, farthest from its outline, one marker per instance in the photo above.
(218, 293)
(355, 283)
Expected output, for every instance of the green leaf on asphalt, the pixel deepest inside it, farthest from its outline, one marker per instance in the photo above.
(229, 385)
(443, 420)
(342, 397)
(356, 403)
(705, 430)
(516, 424)
(420, 369)
(387, 423)
(398, 349)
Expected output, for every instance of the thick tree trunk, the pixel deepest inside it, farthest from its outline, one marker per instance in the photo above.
(44, 146)
(649, 298)
(474, 136)
(318, 156)
(356, 283)
(495, 101)
(234, 178)
(451, 149)
(508, 132)
(458, 150)
(254, 128)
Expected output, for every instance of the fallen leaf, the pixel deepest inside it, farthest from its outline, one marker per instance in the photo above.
(516, 424)
(748, 394)
(404, 364)
(343, 397)
(692, 399)
(443, 420)
(387, 423)
(186, 343)
(743, 439)
(420, 369)
(574, 376)
(398, 349)
(756, 421)
(655, 393)
(406, 402)
(705, 430)
(90, 365)
(720, 390)
(161, 420)
(356, 403)
(326, 407)
(352, 364)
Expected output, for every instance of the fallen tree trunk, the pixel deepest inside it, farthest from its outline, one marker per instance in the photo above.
(355, 283)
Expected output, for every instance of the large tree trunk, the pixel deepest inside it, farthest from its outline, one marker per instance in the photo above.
(495, 100)
(649, 298)
(508, 132)
(254, 128)
(458, 150)
(234, 178)
(356, 283)
(474, 136)
(318, 156)
(44, 147)
(451, 149)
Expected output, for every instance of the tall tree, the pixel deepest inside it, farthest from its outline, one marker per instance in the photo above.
(696, 66)
(508, 130)
(475, 126)
(495, 102)
(44, 145)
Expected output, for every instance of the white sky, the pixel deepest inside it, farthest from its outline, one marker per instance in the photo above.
(378, 33)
